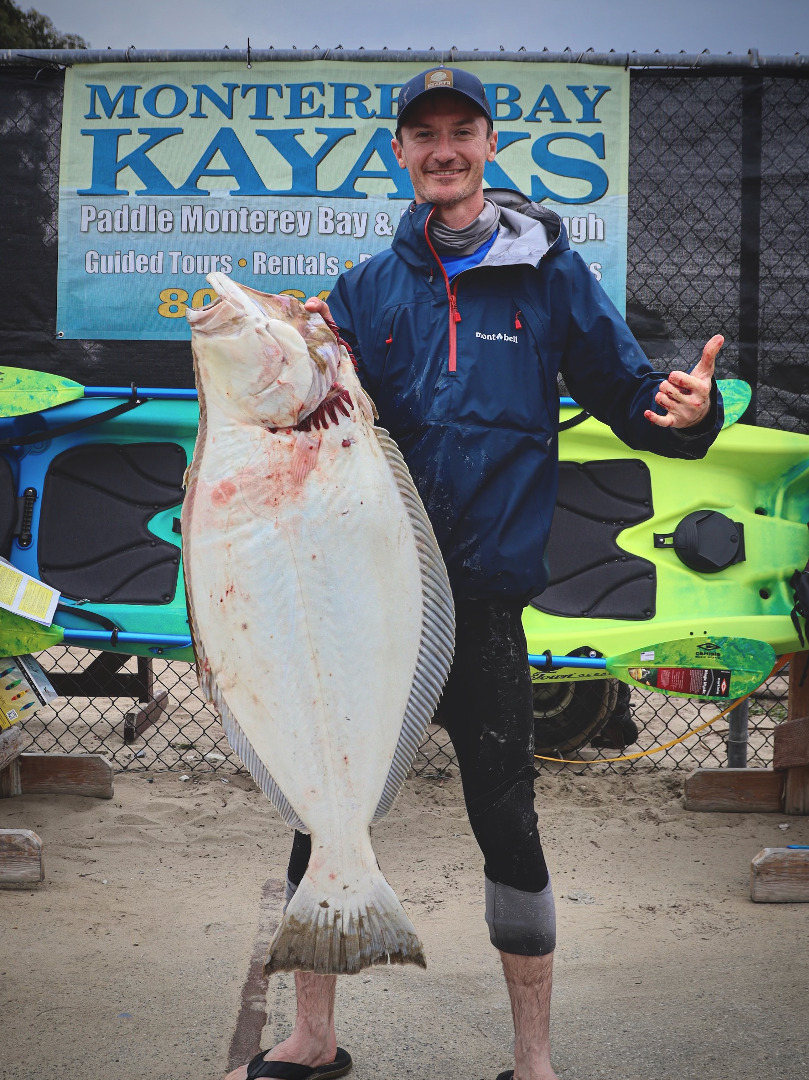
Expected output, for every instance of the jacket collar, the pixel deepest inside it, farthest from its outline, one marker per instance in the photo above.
(521, 214)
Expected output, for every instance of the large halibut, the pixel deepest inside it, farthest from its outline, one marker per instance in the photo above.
(319, 605)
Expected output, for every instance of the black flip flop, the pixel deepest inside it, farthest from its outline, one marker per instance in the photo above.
(288, 1070)
(507, 1075)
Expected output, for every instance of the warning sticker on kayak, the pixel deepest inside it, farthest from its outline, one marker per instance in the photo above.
(699, 682)
(26, 596)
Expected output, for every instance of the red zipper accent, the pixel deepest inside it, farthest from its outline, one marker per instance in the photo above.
(517, 323)
(454, 314)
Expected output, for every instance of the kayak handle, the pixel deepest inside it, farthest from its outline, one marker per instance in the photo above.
(98, 638)
(543, 660)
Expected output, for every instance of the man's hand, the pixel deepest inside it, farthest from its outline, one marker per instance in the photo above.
(319, 307)
(687, 398)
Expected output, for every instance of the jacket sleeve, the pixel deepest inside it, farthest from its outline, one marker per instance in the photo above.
(608, 374)
(339, 302)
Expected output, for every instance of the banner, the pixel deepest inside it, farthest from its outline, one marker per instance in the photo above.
(283, 176)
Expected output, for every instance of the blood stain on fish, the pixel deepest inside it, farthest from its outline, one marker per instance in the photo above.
(223, 492)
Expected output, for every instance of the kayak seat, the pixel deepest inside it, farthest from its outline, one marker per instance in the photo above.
(8, 507)
(97, 500)
(590, 575)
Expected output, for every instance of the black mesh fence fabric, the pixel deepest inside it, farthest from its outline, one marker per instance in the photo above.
(783, 375)
(684, 216)
(718, 196)
(30, 133)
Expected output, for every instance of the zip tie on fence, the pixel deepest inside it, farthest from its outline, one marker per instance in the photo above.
(665, 746)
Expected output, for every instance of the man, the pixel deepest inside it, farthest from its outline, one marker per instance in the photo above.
(459, 332)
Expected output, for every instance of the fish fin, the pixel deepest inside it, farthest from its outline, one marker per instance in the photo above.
(437, 630)
(236, 737)
(367, 928)
(367, 406)
(304, 454)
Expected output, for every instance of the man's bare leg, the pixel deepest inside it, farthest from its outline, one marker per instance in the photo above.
(529, 979)
(313, 1040)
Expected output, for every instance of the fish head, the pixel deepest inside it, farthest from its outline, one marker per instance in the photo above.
(263, 357)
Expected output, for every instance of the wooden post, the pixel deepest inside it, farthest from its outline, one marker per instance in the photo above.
(780, 876)
(740, 791)
(796, 785)
(66, 774)
(20, 857)
(11, 743)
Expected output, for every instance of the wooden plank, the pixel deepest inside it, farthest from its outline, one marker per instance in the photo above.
(796, 790)
(66, 774)
(20, 857)
(740, 791)
(11, 744)
(10, 780)
(791, 744)
(780, 876)
(135, 723)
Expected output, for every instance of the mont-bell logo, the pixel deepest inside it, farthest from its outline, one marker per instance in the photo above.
(496, 337)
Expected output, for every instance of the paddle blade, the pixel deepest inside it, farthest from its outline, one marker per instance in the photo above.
(736, 396)
(19, 636)
(23, 391)
(715, 669)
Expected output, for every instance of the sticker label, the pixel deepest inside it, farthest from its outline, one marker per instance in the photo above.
(702, 682)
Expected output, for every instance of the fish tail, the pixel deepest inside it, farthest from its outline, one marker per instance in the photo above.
(366, 928)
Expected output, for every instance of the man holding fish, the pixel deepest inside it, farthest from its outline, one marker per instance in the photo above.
(459, 332)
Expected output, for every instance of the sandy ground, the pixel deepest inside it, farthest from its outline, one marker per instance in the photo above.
(133, 959)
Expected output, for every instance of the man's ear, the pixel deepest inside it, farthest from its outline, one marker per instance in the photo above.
(490, 156)
(399, 152)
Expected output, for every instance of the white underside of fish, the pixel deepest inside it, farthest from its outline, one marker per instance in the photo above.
(323, 623)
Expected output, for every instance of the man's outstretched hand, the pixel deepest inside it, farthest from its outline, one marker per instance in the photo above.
(687, 398)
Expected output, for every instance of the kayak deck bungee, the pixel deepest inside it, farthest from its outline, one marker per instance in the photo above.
(617, 581)
(99, 509)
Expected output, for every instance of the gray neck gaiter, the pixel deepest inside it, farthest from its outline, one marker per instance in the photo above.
(464, 241)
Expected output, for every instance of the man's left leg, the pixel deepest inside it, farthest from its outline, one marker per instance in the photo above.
(487, 710)
(528, 979)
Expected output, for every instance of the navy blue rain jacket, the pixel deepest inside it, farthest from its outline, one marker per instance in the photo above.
(464, 376)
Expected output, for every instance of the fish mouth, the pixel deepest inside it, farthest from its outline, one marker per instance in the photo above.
(232, 303)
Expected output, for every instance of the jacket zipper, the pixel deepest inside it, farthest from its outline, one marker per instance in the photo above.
(452, 296)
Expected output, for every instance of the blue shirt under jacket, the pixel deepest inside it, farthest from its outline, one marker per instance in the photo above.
(464, 376)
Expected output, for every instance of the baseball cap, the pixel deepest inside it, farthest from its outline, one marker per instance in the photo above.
(443, 78)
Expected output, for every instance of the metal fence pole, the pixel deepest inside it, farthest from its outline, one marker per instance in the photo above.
(737, 735)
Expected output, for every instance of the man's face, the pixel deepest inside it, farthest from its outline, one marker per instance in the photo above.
(444, 145)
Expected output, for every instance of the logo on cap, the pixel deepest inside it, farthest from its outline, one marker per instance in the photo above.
(435, 80)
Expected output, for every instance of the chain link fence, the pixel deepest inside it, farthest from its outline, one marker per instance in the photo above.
(718, 194)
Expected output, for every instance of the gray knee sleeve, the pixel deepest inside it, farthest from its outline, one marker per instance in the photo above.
(521, 922)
